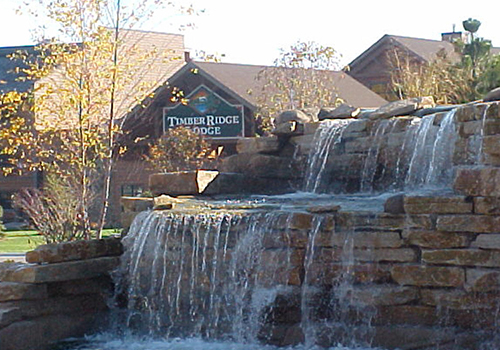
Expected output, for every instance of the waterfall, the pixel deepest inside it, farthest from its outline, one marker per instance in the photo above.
(398, 154)
(247, 277)
(204, 275)
(326, 139)
(431, 164)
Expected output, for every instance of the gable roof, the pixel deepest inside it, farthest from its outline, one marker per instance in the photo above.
(159, 54)
(424, 49)
(241, 81)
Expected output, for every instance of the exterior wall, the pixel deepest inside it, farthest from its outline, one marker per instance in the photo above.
(13, 183)
(129, 178)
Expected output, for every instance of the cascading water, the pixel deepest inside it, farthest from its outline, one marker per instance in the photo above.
(421, 158)
(431, 163)
(326, 139)
(226, 280)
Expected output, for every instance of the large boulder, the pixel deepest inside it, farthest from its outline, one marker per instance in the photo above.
(340, 112)
(258, 145)
(493, 95)
(294, 115)
(261, 165)
(196, 182)
(402, 107)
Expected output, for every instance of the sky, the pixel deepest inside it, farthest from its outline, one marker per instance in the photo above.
(253, 32)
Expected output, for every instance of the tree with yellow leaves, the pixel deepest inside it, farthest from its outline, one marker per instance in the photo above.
(85, 83)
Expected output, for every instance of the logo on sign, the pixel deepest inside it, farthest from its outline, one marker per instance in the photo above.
(207, 114)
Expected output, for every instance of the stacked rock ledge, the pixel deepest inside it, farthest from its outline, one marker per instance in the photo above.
(62, 292)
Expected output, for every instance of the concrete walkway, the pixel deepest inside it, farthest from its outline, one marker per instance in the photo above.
(17, 257)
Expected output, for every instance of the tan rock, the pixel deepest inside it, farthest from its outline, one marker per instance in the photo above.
(437, 205)
(182, 182)
(487, 205)
(395, 204)
(491, 127)
(482, 182)
(136, 204)
(303, 143)
(62, 271)
(75, 250)
(367, 239)
(491, 145)
(260, 165)
(458, 299)
(462, 257)
(482, 280)
(406, 315)
(340, 112)
(436, 239)
(22, 291)
(325, 272)
(468, 223)
(385, 255)
(290, 128)
(432, 276)
(258, 145)
(311, 128)
(403, 107)
(294, 116)
(300, 221)
(493, 95)
(487, 241)
(321, 209)
(382, 295)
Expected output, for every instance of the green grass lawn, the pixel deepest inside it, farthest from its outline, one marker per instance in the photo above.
(23, 241)
(20, 241)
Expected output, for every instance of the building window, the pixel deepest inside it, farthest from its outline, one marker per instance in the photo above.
(6, 200)
(132, 190)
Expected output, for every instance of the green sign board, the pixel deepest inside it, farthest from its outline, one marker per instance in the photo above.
(207, 114)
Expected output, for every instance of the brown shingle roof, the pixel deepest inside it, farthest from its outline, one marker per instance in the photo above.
(242, 80)
(160, 55)
(425, 49)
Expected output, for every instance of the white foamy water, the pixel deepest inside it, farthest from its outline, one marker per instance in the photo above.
(112, 342)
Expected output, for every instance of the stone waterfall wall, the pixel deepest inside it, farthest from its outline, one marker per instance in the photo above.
(62, 292)
(425, 272)
(281, 160)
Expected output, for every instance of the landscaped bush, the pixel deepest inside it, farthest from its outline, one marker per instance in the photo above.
(55, 210)
(180, 149)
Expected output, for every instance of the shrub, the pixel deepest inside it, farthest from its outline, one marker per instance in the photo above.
(55, 210)
(179, 149)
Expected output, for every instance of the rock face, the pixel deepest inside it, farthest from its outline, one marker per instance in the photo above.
(493, 95)
(294, 115)
(341, 112)
(195, 183)
(62, 293)
(402, 107)
(425, 272)
(428, 272)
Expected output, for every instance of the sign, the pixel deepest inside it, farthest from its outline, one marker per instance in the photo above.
(207, 114)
